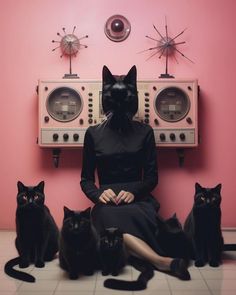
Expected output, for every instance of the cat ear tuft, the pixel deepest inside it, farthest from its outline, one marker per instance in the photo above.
(40, 186)
(20, 186)
(107, 76)
(131, 77)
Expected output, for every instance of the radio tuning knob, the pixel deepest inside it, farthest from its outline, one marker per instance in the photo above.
(46, 119)
(189, 120)
(65, 136)
(172, 136)
(55, 136)
(182, 136)
(162, 137)
(76, 137)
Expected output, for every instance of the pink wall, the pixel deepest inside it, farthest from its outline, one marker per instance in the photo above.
(27, 28)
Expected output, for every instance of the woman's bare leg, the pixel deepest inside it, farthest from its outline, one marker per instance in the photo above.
(138, 247)
(141, 249)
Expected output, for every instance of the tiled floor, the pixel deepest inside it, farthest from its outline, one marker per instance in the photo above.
(51, 280)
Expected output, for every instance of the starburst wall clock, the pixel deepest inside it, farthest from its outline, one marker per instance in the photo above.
(167, 47)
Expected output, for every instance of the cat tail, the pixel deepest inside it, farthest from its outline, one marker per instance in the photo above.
(146, 274)
(229, 247)
(20, 275)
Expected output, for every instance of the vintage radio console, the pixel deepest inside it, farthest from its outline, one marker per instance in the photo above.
(67, 107)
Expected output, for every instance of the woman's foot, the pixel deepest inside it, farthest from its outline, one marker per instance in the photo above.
(179, 269)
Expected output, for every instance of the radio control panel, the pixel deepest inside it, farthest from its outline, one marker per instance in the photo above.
(67, 107)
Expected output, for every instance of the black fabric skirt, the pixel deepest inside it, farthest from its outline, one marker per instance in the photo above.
(138, 219)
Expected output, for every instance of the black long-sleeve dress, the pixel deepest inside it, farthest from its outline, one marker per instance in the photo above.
(125, 160)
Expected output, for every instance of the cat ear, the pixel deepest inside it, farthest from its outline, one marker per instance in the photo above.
(174, 215)
(40, 186)
(218, 188)
(67, 212)
(198, 188)
(131, 77)
(107, 76)
(87, 211)
(20, 186)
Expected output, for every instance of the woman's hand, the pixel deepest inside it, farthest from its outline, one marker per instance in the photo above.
(108, 196)
(125, 197)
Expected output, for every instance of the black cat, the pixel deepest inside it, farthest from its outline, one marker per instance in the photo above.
(114, 258)
(119, 97)
(203, 226)
(36, 230)
(172, 239)
(111, 251)
(77, 254)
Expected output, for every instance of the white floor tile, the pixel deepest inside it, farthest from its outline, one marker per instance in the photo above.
(222, 284)
(192, 285)
(76, 285)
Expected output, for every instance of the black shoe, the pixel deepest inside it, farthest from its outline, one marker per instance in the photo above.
(179, 269)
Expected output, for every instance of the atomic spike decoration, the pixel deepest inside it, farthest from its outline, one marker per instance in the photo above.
(166, 46)
(70, 46)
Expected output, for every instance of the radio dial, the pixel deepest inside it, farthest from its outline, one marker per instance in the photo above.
(172, 136)
(55, 136)
(182, 136)
(162, 137)
(65, 136)
(76, 137)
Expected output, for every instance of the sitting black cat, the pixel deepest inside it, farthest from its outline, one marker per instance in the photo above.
(111, 251)
(203, 226)
(37, 233)
(77, 254)
(172, 239)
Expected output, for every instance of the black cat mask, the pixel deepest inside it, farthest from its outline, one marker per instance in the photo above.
(119, 93)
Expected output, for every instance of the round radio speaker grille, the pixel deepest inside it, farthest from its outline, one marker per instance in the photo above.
(172, 104)
(64, 104)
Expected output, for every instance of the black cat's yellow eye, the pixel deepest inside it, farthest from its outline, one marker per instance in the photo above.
(36, 197)
(24, 198)
(203, 199)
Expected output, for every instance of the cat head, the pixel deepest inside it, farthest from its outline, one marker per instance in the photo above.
(173, 224)
(119, 93)
(207, 197)
(111, 238)
(76, 222)
(30, 196)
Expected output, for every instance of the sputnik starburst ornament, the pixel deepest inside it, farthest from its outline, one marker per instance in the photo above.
(70, 46)
(166, 47)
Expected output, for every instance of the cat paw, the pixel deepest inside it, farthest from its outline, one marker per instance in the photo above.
(73, 276)
(199, 263)
(39, 264)
(88, 272)
(214, 263)
(105, 273)
(23, 264)
(114, 274)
